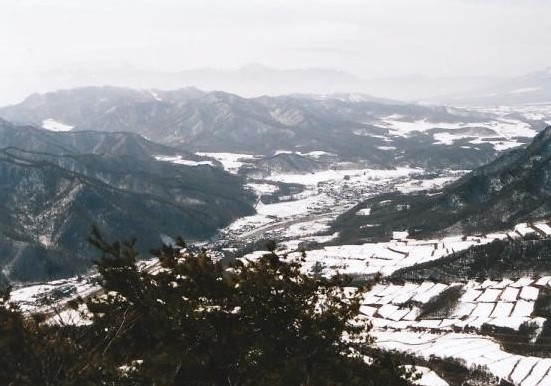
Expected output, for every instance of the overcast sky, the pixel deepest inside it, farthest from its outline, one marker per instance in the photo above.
(368, 38)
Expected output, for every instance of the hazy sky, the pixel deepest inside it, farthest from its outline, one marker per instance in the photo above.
(369, 38)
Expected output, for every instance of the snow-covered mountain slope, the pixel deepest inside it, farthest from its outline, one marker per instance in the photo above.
(383, 132)
(513, 188)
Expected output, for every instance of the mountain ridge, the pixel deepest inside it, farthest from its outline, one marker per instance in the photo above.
(193, 120)
(49, 202)
(515, 187)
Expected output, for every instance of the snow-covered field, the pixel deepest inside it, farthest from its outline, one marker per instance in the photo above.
(182, 161)
(385, 257)
(505, 303)
(506, 127)
(231, 161)
(352, 176)
(42, 297)
(502, 127)
(536, 112)
(326, 194)
(393, 310)
(474, 350)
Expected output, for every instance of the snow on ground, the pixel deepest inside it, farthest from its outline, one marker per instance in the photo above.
(510, 294)
(535, 112)
(489, 295)
(523, 308)
(364, 212)
(291, 208)
(387, 257)
(500, 132)
(429, 184)
(543, 281)
(384, 257)
(307, 228)
(181, 161)
(529, 293)
(30, 293)
(477, 305)
(502, 310)
(261, 188)
(230, 161)
(351, 175)
(503, 127)
(503, 306)
(318, 154)
(326, 194)
(41, 296)
(248, 224)
(53, 125)
(538, 373)
(474, 350)
(543, 228)
(446, 138)
(522, 282)
(505, 145)
(401, 127)
(512, 128)
(393, 310)
(524, 229)
(313, 154)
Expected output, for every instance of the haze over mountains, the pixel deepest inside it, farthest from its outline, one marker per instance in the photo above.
(247, 164)
(528, 89)
(382, 132)
(255, 80)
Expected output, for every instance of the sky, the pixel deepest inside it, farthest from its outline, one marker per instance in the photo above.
(368, 38)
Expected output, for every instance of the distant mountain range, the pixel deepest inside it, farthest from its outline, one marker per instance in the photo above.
(515, 187)
(251, 80)
(254, 80)
(349, 125)
(55, 186)
(529, 89)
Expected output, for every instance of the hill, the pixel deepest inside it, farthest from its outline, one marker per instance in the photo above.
(515, 187)
(385, 133)
(57, 185)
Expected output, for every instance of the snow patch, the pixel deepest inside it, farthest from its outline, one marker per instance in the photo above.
(53, 125)
(181, 161)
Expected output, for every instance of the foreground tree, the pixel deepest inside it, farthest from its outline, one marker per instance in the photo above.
(190, 320)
